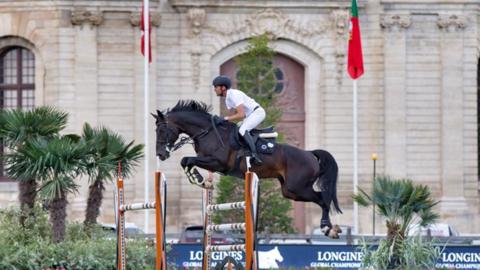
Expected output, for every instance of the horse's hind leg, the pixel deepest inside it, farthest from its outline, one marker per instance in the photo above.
(326, 225)
(325, 221)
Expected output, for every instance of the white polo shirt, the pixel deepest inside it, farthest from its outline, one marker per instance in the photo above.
(236, 97)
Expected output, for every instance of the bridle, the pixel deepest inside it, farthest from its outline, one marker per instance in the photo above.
(171, 147)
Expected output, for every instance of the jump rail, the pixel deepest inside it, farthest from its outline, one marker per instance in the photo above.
(121, 208)
(248, 227)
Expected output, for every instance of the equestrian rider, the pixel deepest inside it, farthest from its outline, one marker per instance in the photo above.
(246, 109)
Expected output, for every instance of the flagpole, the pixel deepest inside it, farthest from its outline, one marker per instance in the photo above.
(355, 157)
(146, 50)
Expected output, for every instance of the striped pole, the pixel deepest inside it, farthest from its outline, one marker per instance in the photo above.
(248, 227)
(250, 260)
(207, 219)
(121, 208)
(161, 263)
(120, 226)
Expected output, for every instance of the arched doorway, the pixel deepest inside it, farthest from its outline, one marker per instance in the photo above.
(290, 77)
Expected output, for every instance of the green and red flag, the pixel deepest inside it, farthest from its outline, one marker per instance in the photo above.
(355, 57)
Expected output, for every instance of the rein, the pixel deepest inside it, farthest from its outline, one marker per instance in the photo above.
(190, 140)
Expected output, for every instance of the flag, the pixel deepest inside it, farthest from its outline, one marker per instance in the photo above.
(142, 43)
(355, 58)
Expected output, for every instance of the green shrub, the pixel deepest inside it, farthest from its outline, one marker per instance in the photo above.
(414, 254)
(31, 247)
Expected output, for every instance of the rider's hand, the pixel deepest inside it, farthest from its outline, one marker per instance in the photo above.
(219, 120)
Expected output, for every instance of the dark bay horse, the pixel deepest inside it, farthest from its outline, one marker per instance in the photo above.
(307, 176)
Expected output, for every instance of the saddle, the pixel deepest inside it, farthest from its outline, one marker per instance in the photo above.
(265, 140)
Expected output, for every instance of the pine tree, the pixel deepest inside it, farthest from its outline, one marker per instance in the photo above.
(256, 77)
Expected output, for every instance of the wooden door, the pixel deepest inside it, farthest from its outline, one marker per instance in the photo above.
(290, 77)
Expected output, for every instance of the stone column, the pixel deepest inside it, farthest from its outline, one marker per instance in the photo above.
(395, 93)
(85, 82)
(451, 27)
(86, 66)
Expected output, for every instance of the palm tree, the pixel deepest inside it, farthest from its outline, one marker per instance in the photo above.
(401, 204)
(107, 149)
(19, 127)
(56, 163)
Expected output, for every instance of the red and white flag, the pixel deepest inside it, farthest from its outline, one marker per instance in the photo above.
(142, 28)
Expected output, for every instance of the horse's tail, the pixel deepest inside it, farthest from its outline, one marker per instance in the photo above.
(328, 176)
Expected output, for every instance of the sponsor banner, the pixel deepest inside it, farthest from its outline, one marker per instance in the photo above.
(301, 256)
(467, 257)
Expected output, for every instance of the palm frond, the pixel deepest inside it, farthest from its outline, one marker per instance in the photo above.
(20, 126)
(107, 149)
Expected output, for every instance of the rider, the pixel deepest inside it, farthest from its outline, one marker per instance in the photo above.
(246, 109)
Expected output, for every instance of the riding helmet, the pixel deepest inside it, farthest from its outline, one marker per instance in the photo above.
(222, 80)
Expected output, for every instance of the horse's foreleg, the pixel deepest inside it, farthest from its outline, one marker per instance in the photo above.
(208, 163)
(193, 176)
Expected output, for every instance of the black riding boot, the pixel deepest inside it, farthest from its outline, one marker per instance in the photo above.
(249, 140)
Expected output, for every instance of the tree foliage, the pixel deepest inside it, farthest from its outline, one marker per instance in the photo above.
(256, 77)
(19, 127)
(55, 163)
(47, 163)
(107, 149)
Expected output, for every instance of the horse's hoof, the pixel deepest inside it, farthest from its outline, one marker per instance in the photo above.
(337, 228)
(333, 233)
(208, 185)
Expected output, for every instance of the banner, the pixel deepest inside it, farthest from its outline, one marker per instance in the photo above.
(301, 256)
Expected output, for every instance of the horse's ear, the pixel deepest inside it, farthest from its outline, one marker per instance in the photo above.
(159, 115)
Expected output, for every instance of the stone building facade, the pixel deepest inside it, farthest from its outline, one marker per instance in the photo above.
(417, 100)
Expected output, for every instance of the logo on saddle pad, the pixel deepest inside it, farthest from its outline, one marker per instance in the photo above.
(265, 140)
(269, 259)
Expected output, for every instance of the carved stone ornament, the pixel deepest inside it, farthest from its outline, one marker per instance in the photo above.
(395, 21)
(271, 22)
(79, 17)
(197, 19)
(340, 19)
(196, 53)
(452, 22)
(155, 17)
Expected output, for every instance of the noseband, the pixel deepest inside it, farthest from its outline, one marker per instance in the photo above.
(170, 147)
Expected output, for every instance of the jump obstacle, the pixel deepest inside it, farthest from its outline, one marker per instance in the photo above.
(250, 205)
(121, 208)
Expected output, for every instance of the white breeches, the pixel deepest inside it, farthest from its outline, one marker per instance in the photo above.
(252, 121)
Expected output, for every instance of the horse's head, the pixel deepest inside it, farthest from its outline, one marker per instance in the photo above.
(167, 134)
(276, 254)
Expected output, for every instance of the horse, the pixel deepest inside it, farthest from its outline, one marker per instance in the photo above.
(268, 259)
(306, 176)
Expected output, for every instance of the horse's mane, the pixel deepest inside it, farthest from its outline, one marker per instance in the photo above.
(191, 106)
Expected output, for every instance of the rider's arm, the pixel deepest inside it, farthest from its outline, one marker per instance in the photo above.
(238, 115)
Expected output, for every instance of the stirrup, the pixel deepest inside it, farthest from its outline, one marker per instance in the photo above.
(256, 160)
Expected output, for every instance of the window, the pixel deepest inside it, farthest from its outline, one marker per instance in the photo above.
(17, 82)
(17, 79)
